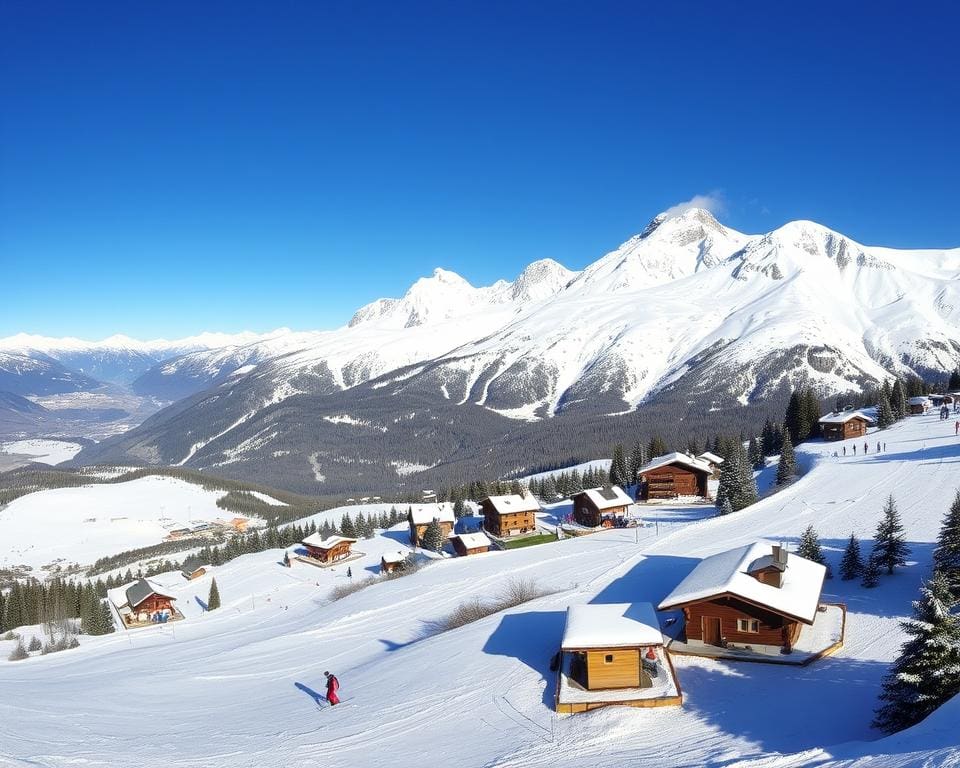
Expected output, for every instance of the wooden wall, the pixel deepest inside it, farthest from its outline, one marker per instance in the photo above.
(417, 531)
(728, 610)
(586, 513)
(671, 481)
(501, 525)
(622, 672)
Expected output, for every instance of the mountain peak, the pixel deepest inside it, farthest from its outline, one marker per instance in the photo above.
(699, 218)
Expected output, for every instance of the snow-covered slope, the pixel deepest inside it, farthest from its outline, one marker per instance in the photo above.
(239, 686)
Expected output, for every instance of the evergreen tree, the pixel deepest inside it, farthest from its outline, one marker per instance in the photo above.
(549, 490)
(792, 419)
(787, 466)
(757, 460)
(35, 644)
(725, 508)
(106, 618)
(433, 537)
(810, 406)
(871, 573)
(851, 565)
(809, 547)
(889, 547)
(618, 467)
(946, 556)
(213, 599)
(657, 447)
(636, 461)
(459, 509)
(898, 400)
(746, 485)
(347, 528)
(19, 653)
(927, 672)
(954, 384)
(885, 416)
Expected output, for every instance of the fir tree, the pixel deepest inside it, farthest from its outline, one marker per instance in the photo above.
(657, 447)
(19, 653)
(726, 507)
(755, 452)
(213, 599)
(885, 416)
(637, 460)
(898, 400)
(787, 466)
(851, 565)
(106, 618)
(954, 384)
(889, 547)
(746, 485)
(618, 467)
(549, 490)
(809, 547)
(459, 509)
(433, 537)
(946, 556)
(347, 528)
(35, 644)
(927, 672)
(871, 574)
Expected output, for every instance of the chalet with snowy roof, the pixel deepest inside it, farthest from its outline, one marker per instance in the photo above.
(756, 599)
(674, 476)
(469, 543)
(843, 425)
(328, 550)
(711, 460)
(392, 561)
(421, 516)
(600, 506)
(511, 515)
(919, 405)
(191, 572)
(613, 654)
(143, 602)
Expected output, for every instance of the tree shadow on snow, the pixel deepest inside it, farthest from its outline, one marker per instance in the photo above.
(401, 536)
(532, 638)
(200, 602)
(650, 580)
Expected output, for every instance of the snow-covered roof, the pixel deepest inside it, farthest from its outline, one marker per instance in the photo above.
(605, 498)
(472, 540)
(710, 458)
(676, 458)
(132, 594)
(919, 401)
(505, 505)
(426, 515)
(394, 557)
(316, 540)
(195, 568)
(727, 573)
(843, 417)
(611, 625)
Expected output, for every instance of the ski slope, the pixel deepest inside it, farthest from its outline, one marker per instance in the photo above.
(237, 687)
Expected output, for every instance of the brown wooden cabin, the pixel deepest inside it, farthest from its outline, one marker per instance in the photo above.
(511, 515)
(844, 425)
(600, 506)
(711, 460)
(145, 600)
(724, 605)
(918, 405)
(392, 561)
(674, 475)
(330, 549)
(194, 572)
(420, 518)
(469, 543)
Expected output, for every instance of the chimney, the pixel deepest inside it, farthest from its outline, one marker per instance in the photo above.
(780, 556)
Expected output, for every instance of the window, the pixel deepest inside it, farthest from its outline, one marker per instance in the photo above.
(748, 625)
(608, 659)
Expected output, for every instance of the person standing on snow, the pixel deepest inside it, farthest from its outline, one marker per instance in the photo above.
(956, 428)
(333, 685)
(866, 448)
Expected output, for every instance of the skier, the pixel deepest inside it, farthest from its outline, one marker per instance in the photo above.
(854, 449)
(333, 685)
(878, 447)
(956, 428)
(866, 448)
(844, 450)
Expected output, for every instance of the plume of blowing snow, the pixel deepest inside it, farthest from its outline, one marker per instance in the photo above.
(712, 201)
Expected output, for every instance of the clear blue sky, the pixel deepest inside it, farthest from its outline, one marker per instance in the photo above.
(168, 168)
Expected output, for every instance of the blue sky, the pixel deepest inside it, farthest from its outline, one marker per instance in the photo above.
(177, 167)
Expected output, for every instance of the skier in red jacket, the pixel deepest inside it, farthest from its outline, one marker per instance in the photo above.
(333, 685)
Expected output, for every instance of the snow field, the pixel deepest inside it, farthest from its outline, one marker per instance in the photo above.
(44, 451)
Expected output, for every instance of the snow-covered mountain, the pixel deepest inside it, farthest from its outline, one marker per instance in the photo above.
(689, 313)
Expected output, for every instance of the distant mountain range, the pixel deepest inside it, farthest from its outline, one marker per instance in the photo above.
(688, 318)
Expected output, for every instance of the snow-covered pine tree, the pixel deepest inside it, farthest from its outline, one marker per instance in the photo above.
(725, 508)
(755, 452)
(360, 525)
(657, 447)
(746, 485)
(885, 416)
(549, 489)
(889, 546)
(898, 400)
(19, 653)
(432, 537)
(459, 509)
(792, 418)
(106, 618)
(946, 556)
(636, 460)
(618, 467)
(809, 547)
(851, 565)
(927, 672)
(213, 599)
(35, 644)
(871, 574)
(347, 527)
(954, 383)
(787, 466)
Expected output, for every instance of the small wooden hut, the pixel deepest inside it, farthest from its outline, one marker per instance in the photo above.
(601, 506)
(511, 515)
(330, 549)
(142, 601)
(421, 516)
(392, 561)
(844, 425)
(672, 476)
(469, 543)
(919, 405)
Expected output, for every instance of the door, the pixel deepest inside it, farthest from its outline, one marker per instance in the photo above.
(711, 630)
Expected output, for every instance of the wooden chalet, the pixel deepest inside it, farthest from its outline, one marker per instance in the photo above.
(614, 654)
(511, 515)
(143, 601)
(393, 561)
(191, 572)
(672, 476)
(919, 405)
(421, 516)
(711, 460)
(330, 549)
(469, 543)
(600, 506)
(844, 425)
(757, 597)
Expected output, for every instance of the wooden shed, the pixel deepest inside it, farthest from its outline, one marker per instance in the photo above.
(330, 549)
(601, 506)
(919, 405)
(711, 460)
(469, 543)
(393, 561)
(613, 654)
(511, 515)
(672, 476)
(191, 572)
(422, 515)
(758, 596)
(844, 425)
